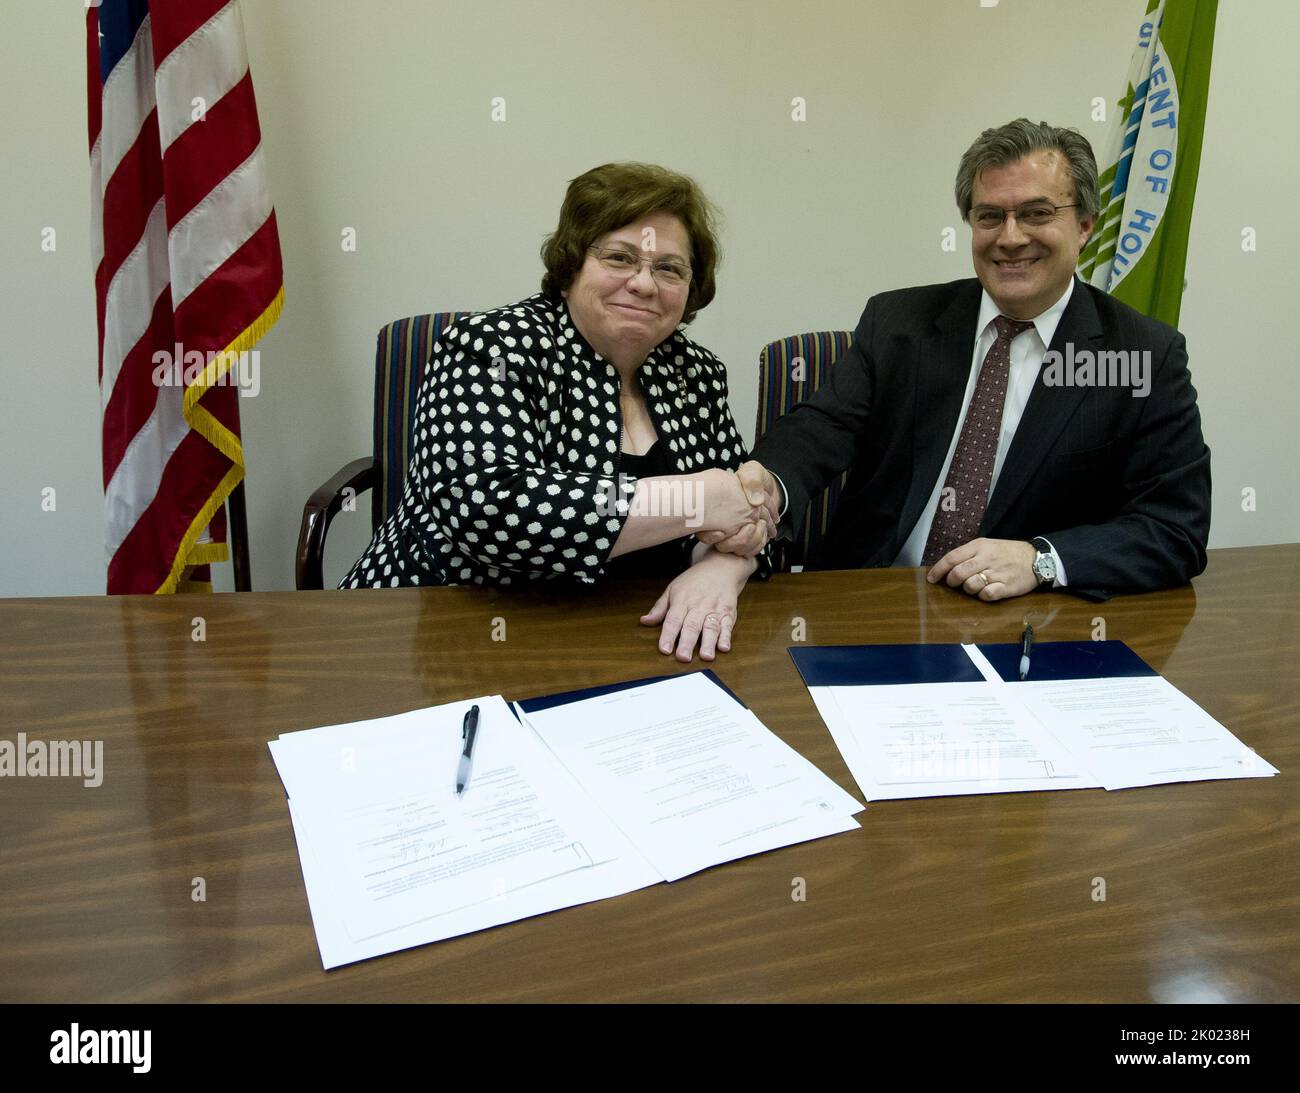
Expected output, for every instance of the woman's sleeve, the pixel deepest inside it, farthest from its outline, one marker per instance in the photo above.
(479, 428)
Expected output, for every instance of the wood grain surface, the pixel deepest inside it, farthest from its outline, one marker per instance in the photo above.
(959, 899)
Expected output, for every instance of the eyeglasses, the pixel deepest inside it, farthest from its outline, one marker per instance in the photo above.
(1032, 214)
(667, 272)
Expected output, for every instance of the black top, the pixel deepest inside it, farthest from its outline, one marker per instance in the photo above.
(664, 559)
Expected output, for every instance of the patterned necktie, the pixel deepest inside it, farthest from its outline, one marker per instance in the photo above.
(965, 492)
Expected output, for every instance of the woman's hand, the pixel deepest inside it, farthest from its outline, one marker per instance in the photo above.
(670, 506)
(729, 508)
(700, 605)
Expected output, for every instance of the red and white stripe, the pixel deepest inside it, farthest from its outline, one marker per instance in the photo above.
(185, 251)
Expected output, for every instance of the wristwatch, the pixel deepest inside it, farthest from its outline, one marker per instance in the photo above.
(1044, 563)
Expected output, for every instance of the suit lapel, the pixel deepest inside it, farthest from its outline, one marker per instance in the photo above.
(1048, 409)
(943, 362)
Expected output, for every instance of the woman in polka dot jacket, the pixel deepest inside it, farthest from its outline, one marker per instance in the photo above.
(578, 433)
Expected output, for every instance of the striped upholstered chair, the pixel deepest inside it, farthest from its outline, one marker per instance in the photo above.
(403, 351)
(782, 383)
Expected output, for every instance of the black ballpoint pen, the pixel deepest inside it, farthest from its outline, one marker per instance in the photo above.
(468, 734)
(1027, 640)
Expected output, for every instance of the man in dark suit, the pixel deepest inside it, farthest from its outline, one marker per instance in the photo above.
(1011, 431)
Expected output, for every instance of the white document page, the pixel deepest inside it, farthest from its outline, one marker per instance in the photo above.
(842, 734)
(393, 849)
(691, 776)
(943, 739)
(1139, 731)
(1116, 732)
(602, 881)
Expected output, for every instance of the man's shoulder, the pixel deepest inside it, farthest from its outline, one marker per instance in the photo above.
(921, 303)
(1123, 322)
(922, 296)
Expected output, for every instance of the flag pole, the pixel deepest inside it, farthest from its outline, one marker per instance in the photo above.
(239, 538)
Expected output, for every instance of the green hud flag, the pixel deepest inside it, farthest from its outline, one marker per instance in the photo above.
(1139, 247)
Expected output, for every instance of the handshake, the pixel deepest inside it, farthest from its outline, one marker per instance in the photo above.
(741, 509)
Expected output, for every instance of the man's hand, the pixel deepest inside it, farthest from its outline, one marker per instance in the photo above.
(763, 490)
(700, 605)
(728, 507)
(992, 569)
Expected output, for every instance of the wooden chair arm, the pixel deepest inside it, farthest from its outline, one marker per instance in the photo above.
(359, 475)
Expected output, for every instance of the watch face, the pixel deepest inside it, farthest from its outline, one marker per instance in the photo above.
(1045, 568)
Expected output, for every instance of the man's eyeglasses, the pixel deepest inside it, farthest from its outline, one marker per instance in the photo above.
(1032, 214)
(668, 272)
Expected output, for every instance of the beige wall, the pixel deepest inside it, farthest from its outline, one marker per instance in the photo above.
(376, 116)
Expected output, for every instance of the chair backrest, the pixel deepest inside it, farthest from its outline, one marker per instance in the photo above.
(789, 371)
(403, 350)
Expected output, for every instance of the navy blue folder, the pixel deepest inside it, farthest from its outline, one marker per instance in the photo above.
(856, 665)
(546, 702)
(850, 665)
(1051, 660)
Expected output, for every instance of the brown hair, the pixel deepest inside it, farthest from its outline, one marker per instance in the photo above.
(614, 194)
(1017, 139)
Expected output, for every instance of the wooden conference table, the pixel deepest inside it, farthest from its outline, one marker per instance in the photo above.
(968, 898)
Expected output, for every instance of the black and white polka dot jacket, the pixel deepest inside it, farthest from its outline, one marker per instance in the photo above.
(514, 473)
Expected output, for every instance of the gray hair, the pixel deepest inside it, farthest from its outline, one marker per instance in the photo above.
(1011, 142)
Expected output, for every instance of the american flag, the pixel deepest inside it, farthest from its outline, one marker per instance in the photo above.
(187, 270)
